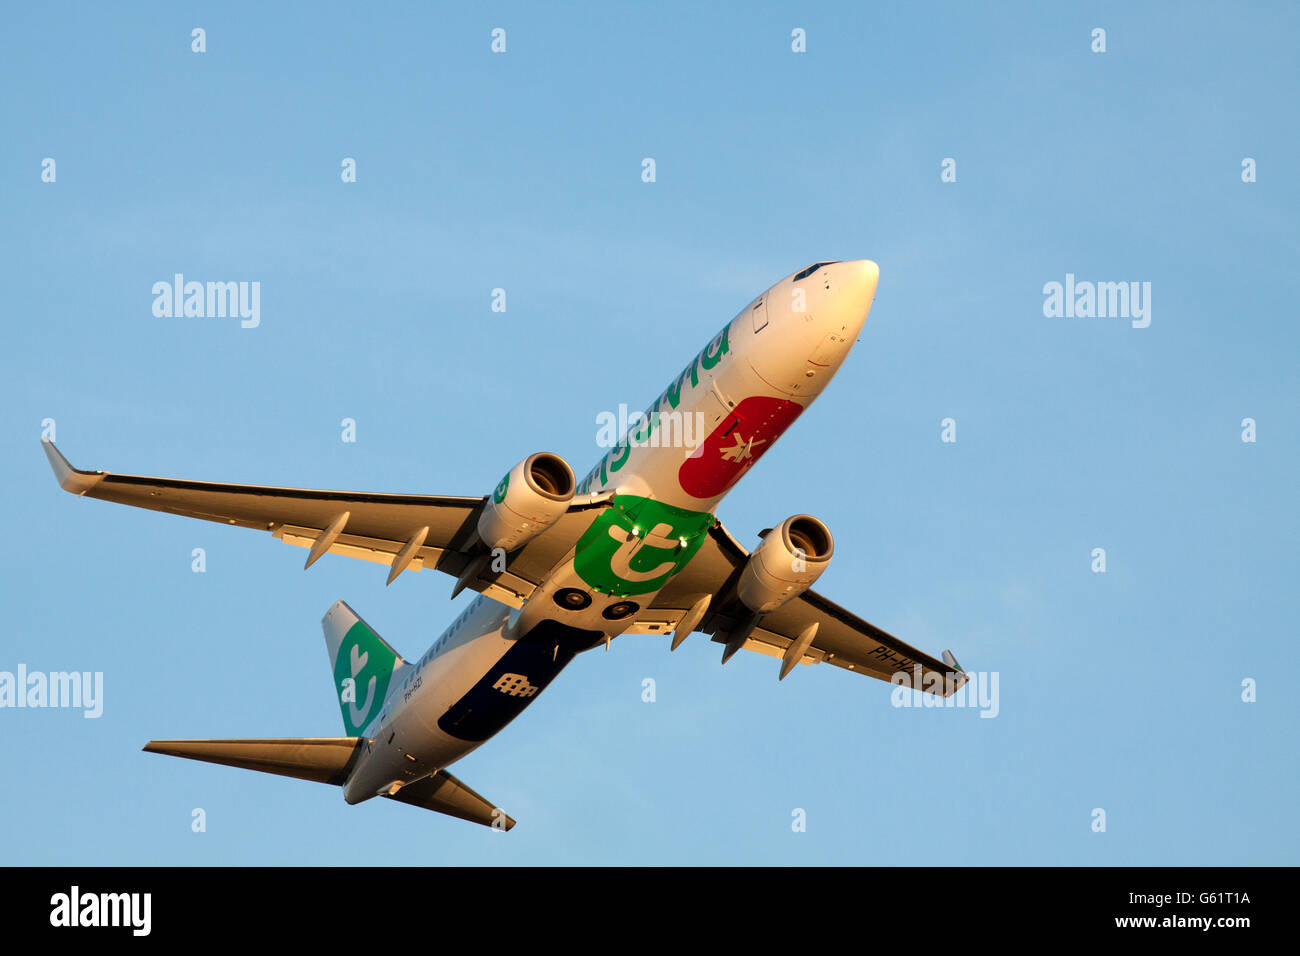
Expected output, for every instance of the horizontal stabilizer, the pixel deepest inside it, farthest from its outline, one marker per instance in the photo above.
(323, 759)
(330, 760)
(443, 793)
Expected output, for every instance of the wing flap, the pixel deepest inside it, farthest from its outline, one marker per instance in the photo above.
(376, 550)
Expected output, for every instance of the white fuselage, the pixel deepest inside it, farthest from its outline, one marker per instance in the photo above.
(745, 388)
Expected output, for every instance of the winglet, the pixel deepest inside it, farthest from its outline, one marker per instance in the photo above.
(69, 478)
(962, 677)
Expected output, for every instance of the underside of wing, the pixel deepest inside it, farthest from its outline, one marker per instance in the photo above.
(840, 637)
(404, 532)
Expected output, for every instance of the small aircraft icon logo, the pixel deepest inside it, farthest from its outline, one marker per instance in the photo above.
(742, 450)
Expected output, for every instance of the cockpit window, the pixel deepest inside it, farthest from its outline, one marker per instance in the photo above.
(813, 268)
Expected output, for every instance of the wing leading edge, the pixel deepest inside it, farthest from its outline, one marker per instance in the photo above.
(404, 532)
(841, 637)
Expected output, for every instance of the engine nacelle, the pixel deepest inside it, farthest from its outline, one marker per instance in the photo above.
(792, 556)
(530, 498)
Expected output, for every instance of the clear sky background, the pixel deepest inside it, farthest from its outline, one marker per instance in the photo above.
(1119, 691)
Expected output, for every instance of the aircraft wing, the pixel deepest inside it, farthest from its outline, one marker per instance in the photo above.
(842, 638)
(383, 528)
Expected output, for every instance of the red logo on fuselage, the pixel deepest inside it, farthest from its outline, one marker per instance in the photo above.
(739, 440)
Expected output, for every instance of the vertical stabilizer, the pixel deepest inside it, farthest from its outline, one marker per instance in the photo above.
(363, 666)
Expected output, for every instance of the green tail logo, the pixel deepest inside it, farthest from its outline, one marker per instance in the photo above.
(362, 671)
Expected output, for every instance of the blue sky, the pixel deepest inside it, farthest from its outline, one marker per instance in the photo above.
(522, 171)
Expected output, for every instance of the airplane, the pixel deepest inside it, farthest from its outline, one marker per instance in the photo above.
(563, 566)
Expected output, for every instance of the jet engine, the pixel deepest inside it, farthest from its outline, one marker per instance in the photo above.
(792, 556)
(530, 498)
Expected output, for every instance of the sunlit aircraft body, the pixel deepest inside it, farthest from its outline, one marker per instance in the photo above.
(563, 566)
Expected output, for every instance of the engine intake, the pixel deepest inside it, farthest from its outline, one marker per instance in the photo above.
(529, 499)
(792, 556)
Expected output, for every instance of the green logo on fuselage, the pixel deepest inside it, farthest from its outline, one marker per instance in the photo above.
(637, 544)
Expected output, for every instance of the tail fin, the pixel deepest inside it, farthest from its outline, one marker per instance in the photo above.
(363, 666)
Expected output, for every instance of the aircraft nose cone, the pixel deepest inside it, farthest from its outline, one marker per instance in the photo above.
(852, 289)
(803, 327)
(859, 284)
